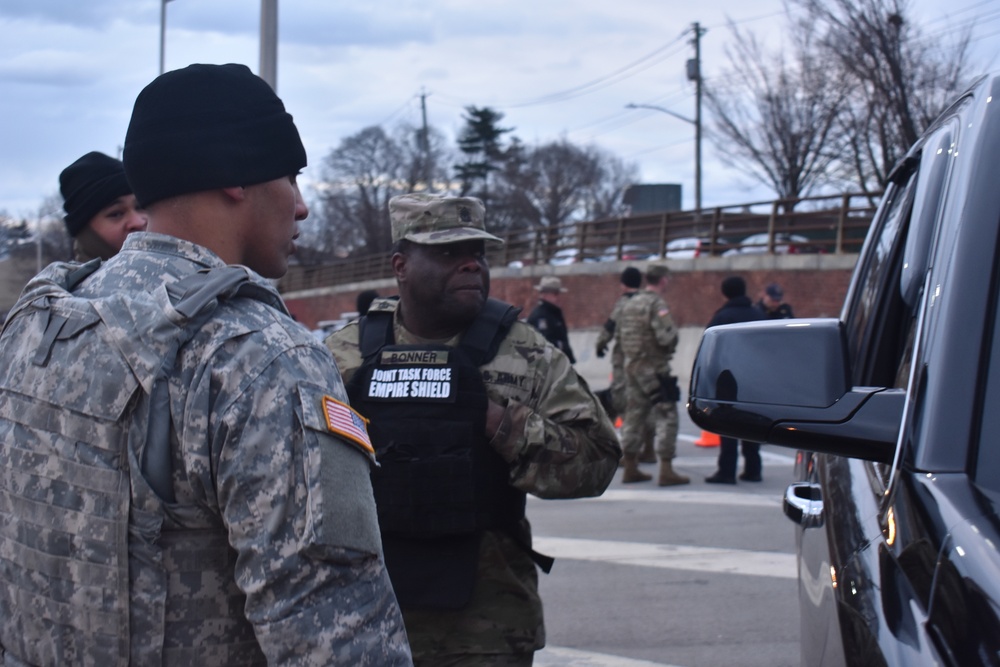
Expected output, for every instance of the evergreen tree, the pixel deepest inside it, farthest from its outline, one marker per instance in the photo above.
(480, 141)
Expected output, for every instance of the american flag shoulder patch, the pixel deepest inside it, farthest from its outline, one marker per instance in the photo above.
(345, 422)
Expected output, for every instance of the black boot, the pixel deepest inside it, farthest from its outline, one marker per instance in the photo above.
(719, 478)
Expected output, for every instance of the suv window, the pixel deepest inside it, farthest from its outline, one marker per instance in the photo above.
(883, 308)
(883, 312)
(875, 309)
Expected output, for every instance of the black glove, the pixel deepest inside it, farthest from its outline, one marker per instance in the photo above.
(601, 351)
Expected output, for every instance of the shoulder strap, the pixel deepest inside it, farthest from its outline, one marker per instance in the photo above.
(194, 298)
(482, 339)
(375, 332)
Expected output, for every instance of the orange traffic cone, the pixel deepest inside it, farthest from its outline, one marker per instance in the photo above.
(708, 440)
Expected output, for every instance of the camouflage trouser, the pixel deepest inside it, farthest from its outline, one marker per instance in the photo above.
(642, 417)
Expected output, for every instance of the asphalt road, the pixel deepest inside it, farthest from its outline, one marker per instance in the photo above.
(693, 576)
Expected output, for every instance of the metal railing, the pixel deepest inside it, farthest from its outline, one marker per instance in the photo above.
(826, 223)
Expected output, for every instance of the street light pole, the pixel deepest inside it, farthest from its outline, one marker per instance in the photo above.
(697, 144)
(163, 33)
(269, 42)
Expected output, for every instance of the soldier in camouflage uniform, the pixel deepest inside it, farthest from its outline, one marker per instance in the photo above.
(631, 280)
(100, 207)
(648, 337)
(196, 500)
(537, 429)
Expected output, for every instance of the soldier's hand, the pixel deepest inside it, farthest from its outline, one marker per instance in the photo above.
(494, 417)
(601, 351)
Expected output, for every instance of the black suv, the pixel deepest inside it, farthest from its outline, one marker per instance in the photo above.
(896, 406)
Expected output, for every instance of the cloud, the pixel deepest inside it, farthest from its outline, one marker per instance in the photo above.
(70, 71)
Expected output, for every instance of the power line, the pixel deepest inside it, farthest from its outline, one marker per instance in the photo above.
(604, 81)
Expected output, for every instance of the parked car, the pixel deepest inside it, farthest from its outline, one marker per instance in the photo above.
(565, 256)
(629, 253)
(689, 247)
(895, 407)
(784, 244)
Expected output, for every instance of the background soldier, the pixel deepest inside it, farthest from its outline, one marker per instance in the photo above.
(631, 280)
(100, 207)
(648, 337)
(470, 410)
(187, 502)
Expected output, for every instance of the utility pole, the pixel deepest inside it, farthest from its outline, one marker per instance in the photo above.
(269, 42)
(694, 74)
(425, 144)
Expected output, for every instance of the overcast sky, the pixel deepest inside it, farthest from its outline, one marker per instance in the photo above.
(70, 71)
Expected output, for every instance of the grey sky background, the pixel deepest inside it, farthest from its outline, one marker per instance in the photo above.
(70, 71)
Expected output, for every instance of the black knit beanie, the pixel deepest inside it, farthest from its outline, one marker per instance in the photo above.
(88, 185)
(734, 286)
(631, 277)
(206, 127)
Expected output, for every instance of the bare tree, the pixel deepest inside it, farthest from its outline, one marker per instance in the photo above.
(775, 117)
(426, 158)
(546, 187)
(604, 198)
(898, 81)
(359, 177)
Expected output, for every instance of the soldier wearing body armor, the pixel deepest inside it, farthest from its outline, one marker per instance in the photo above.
(470, 409)
(648, 337)
(631, 280)
(182, 481)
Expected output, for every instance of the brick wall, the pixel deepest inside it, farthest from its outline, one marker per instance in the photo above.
(814, 285)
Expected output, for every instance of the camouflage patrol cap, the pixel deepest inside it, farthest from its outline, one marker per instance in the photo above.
(656, 271)
(430, 219)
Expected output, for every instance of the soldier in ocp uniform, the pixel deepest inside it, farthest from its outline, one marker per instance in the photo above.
(469, 409)
(648, 337)
(181, 480)
(631, 281)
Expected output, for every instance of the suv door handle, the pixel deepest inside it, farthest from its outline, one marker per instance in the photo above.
(803, 504)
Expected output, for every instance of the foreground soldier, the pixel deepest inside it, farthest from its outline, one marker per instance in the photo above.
(470, 409)
(648, 337)
(199, 502)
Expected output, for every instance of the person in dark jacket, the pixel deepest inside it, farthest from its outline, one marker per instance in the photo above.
(772, 303)
(738, 308)
(547, 316)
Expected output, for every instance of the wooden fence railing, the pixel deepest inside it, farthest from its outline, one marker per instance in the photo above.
(826, 223)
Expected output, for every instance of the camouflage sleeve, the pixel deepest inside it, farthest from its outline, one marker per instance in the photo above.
(607, 333)
(662, 323)
(298, 505)
(554, 433)
(604, 337)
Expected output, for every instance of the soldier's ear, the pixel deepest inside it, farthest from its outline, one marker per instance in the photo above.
(399, 265)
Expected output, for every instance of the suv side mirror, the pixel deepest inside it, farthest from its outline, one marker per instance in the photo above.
(787, 382)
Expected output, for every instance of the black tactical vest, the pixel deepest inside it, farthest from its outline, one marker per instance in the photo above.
(439, 484)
